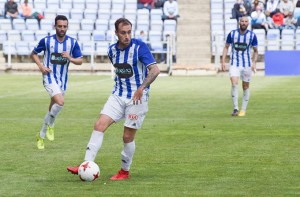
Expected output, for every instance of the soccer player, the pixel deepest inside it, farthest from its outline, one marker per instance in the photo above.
(135, 70)
(241, 40)
(59, 50)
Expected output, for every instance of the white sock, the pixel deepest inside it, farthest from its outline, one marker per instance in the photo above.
(235, 96)
(44, 128)
(127, 155)
(94, 145)
(55, 109)
(246, 97)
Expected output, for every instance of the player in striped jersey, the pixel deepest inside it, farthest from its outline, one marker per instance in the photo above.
(59, 51)
(241, 40)
(135, 70)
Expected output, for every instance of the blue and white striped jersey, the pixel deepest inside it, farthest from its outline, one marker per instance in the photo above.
(241, 47)
(52, 59)
(131, 67)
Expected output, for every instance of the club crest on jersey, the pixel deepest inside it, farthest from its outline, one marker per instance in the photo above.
(56, 58)
(239, 46)
(123, 70)
(133, 116)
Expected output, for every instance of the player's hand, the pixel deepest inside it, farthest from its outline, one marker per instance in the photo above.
(65, 54)
(137, 96)
(45, 70)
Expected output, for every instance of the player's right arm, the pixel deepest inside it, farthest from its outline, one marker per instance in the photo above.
(225, 51)
(34, 55)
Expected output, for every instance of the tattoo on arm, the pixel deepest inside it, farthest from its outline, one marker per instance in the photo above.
(150, 78)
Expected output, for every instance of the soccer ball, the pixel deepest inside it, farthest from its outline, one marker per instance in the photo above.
(88, 171)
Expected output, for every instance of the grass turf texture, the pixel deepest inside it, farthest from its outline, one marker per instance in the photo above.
(189, 144)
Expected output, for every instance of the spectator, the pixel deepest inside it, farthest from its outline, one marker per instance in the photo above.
(290, 22)
(11, 10)
(278, 20)
(271, 8)
(148, 4)
(239, 10)
(286, 7)
(256, 3)
(170, 10)
(259, 20)
(26, 10)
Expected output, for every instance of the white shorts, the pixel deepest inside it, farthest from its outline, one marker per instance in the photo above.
(244, 73)
(118, 108)
(53, 89)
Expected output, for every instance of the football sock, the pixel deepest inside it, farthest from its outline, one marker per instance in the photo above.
(246, 97)
(127, 155)
(44, 128)
(55, 109)
(93, 146)
(235, 96)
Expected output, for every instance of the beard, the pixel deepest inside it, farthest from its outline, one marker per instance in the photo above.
(243, 27)
(61, 34)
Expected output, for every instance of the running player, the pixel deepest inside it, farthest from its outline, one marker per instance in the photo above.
(59, 50)
(241, 40)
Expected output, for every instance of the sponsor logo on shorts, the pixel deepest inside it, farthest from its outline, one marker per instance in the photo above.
(133, 116)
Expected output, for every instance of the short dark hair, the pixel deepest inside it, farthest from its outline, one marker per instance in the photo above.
(60, 17)
(122, 20)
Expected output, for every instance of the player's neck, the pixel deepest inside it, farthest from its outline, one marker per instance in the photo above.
(60, 39)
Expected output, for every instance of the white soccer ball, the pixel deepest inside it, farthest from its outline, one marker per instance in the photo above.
(88, 171)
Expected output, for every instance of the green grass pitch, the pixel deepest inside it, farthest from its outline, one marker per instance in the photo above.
(189, 144)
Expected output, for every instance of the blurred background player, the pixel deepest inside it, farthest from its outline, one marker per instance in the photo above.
(241, 65)
(59, 50)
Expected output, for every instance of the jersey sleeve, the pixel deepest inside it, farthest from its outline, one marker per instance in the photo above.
(229, 38)
(145, 56)
(76, 53)
(40, 47)
(254, 41)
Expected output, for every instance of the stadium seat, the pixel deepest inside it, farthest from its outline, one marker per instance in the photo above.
(217, 4)
(66, 4)
(9, 48)
(287, 39)
(130, 4)
(104, 14)
(87, 24)
(90, 14)
(88, 48)
(155, 35)
(101, 48)
(105, 4)
(76, 13)
(74, 24)
(111, 25)
(297, 39)
(28, 35)
(50, 13)
(116, 14)
(79, 4)
(130, 14)
(47, 24)
(230, 24)
(101, 24)
(72, 33)
(19, 24)
(156, 14)
(64, 11)
(5, 24)
(273, 37)
(143, 14)
(156, 25)
(14, 35)
(99, 35)
(143, 25)
(39, 34)
(32, 24)
(110, 36)
(117, 4)
(22, 48)
(39, 4)
(3, 36)
(170, 25)
(53, 4)
(91, 4)
(84, 35)
(261, 38)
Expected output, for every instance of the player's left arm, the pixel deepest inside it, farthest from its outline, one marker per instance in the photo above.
(153, 73)
(255, 53)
